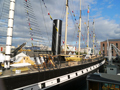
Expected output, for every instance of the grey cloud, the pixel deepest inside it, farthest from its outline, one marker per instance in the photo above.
(105, 28)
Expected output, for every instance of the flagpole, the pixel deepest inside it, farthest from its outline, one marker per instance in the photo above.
(79, 30)
(66, 25)
(88, 31)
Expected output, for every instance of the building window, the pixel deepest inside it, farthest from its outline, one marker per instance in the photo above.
(103, 44)
(117, 45)
(103, 52)
(103, 48)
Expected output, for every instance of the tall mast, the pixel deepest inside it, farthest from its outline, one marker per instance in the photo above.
(88, 31)
(93, 34)
(66, 25)
(79, 30)
(9, 34)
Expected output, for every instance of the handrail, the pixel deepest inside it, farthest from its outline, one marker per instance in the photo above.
(61, 55)
(51, 65)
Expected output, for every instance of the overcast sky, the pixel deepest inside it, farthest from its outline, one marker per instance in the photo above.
(105, 12)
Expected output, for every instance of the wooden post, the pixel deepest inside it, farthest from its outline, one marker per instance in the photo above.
(79, 30)
(66, 26)
(88, 31)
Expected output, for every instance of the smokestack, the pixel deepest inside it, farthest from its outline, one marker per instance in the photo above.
(56, 36)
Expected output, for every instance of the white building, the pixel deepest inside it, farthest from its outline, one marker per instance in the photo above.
(69, 48)
(90, 51)
(42, 47)
(37, 47)
(49, 49)
(84, 50)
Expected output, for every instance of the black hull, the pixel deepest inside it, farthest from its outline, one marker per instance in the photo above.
(14, 82)
(79, 83)
(71, 85)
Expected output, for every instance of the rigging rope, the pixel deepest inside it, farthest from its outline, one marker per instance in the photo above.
(34, 29)
(44, 22)
(54, 26)
(74, 25)
(4, 20)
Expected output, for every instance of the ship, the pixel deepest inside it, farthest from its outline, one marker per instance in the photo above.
(47, 71)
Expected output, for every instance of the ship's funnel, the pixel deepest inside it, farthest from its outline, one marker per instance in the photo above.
(56, 36)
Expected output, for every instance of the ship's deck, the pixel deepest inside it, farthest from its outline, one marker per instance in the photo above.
(58, 65)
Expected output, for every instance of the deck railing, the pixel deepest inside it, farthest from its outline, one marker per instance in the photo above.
(51, 65)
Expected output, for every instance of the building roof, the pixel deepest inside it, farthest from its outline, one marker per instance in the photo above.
(105, 78)
(113, 66)
(112, 40)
